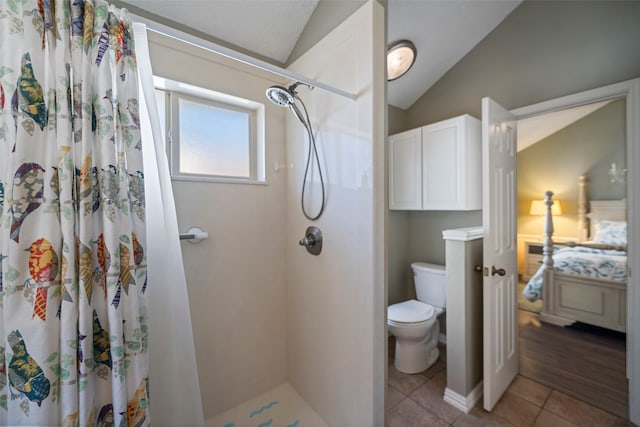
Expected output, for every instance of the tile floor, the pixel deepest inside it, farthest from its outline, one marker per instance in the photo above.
(281, 406)
(417, 400)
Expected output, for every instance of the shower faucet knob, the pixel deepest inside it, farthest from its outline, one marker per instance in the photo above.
(312, 240)
(308, 241)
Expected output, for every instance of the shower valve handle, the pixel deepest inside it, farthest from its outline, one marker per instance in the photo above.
(308, 241)
(312, 240)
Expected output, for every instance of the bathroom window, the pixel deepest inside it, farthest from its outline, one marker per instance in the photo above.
(211, 136)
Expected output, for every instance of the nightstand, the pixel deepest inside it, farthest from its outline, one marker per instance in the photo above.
(533, 258)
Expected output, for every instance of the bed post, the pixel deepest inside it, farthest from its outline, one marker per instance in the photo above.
(583, 226)
(547, 255)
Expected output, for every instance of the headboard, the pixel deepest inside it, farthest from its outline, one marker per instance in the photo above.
(612, 210)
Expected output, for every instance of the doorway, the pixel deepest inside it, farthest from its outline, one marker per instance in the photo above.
(630, 91)
(571, 152)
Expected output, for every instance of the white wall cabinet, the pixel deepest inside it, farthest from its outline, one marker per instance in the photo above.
(405, 170)
(437, 167)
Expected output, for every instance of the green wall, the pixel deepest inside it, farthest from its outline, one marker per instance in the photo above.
(541, 51)
(397, 119)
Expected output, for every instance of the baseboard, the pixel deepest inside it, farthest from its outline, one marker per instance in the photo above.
(442, 339)
(461, 402)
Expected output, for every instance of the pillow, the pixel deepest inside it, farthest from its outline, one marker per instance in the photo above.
(611, 233)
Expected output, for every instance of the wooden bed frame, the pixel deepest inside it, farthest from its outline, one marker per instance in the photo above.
(568, 298)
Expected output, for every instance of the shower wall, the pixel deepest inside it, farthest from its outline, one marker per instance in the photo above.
(335, 301)
(236, 278)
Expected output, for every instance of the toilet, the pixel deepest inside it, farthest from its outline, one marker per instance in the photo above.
(415, 324)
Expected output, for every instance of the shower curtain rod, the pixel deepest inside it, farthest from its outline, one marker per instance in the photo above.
(232, 54)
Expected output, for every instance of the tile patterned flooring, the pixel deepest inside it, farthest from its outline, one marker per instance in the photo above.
(417, 400)
(280, 406)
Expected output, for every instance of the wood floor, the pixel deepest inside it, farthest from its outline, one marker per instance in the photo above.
(586, 363)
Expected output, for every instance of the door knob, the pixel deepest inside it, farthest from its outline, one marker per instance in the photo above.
(498, 271)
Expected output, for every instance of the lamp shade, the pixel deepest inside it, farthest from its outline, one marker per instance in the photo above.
(539, 208)
(400, 57)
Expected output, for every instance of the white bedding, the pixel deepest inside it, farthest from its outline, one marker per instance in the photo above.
(580, 261)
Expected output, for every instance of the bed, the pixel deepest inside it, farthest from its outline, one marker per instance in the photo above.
(585, 282)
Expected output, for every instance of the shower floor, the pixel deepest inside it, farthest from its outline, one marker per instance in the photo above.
(281, 407)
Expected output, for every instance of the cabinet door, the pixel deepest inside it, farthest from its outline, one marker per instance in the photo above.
(405, 170)
(443, 170)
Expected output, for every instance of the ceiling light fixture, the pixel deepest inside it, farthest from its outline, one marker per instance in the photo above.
(400, 57)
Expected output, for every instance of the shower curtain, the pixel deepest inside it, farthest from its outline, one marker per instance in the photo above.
(72, 232)
(175, 392)
(72, 236)
(74, 333)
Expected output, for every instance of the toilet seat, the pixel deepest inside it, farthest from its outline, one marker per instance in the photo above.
(411, 326)
(410, 312)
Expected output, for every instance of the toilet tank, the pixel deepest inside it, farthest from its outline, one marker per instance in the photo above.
(430, 282)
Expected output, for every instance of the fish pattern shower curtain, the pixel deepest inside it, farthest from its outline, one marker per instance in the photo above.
(73, 322)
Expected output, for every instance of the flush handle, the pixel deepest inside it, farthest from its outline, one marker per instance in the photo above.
(498, 271)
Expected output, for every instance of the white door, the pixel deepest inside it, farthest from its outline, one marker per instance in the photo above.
(500, 256)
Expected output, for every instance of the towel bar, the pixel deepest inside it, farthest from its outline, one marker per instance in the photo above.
(194, 235)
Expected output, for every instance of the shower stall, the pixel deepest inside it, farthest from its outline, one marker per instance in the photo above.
(266, 314)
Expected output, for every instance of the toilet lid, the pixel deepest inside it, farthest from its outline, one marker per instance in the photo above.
(411, 311)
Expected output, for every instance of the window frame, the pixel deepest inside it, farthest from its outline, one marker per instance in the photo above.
(175, 91)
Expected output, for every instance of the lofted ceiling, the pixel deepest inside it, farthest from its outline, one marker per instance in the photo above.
(442, 30)
(537, 128)
(269, 28)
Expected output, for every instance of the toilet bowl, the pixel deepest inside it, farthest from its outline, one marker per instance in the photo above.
(415, 324)
(416, 328)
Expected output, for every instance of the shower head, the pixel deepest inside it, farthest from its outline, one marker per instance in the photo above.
(284, 97)
(281, 96)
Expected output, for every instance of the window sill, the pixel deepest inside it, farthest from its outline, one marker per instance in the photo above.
(217, 180)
